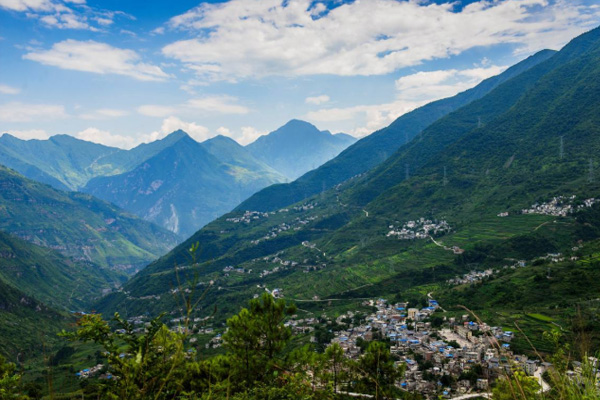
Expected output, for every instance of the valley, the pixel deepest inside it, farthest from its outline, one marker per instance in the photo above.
(451, 252)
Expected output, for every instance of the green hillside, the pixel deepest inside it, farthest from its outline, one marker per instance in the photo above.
(338, 244)
(78, 225)
(27, 326)
(377, 147)
(49, 277)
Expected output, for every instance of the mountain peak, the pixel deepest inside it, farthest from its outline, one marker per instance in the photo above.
(176, 135)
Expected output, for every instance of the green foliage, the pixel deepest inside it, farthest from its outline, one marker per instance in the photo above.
(256, 335)
(515, 386)
(10, 382)
(379, 374)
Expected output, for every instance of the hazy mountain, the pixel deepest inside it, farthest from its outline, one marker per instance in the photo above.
(377, 147)
(78, 225)
(187, 184)
(298, 147)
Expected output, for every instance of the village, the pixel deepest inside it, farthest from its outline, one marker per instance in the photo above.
(559, 206)
(443, 356)
(419, 229)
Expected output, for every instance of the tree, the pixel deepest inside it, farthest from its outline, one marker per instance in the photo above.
(516, 386)
(144, 365)
(379, 374)
(335, 360)
(257, 335)
(10, 381)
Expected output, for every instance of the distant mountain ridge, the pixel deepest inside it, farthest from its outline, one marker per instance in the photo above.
(187, 184)
(148, 180)
(298, 147)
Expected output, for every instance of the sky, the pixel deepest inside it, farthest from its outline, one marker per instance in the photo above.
(122, 73)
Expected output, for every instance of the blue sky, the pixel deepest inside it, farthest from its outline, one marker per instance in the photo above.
(126, 72)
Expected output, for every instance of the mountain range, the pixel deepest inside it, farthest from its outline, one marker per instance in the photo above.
(149, 181)
(468, 175)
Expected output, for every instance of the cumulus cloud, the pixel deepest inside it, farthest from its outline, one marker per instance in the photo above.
(64, 14)
(106, 138)
(197, 132)
(20, 112)
(99, 58)
(5, 89)
(217, 104)
(426, 86)
(151, 110)
(248, 39)
(104, 113)
(413, 91)
(317, 99)
(248, 135)
(223, 104)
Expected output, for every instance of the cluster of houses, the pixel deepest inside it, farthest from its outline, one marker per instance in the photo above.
(471, 277)
(306, 206)
(89, 372)
(478, 276)
(559, 206)
(248, 217)
(275, 231)
(430, 353)
(419, 229)
(239, 270)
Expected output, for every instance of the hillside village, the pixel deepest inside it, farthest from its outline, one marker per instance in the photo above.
(443, 356)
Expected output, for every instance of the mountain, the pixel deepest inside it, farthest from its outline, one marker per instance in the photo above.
(298, 147)
(28, 327)
(537, 141)
(50, 277)
(377, 147)
(78, 225)
(61, 161)
(186, 184)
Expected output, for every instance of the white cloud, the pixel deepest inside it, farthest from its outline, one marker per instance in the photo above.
(197, 132)
(248, 39)
(5, 89)
(30, 134)
(28, 5)
(151, 110)
(426, 86)
(226, 105)
(104, 113)
(413, 91)
(20, 112)
(248, 135)
(64, 14)
(376, 116)
(106, 138)
(317, 99)
(99, 58)
(217, 104)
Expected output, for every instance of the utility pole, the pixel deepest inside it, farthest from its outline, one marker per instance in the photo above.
(562, 147)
